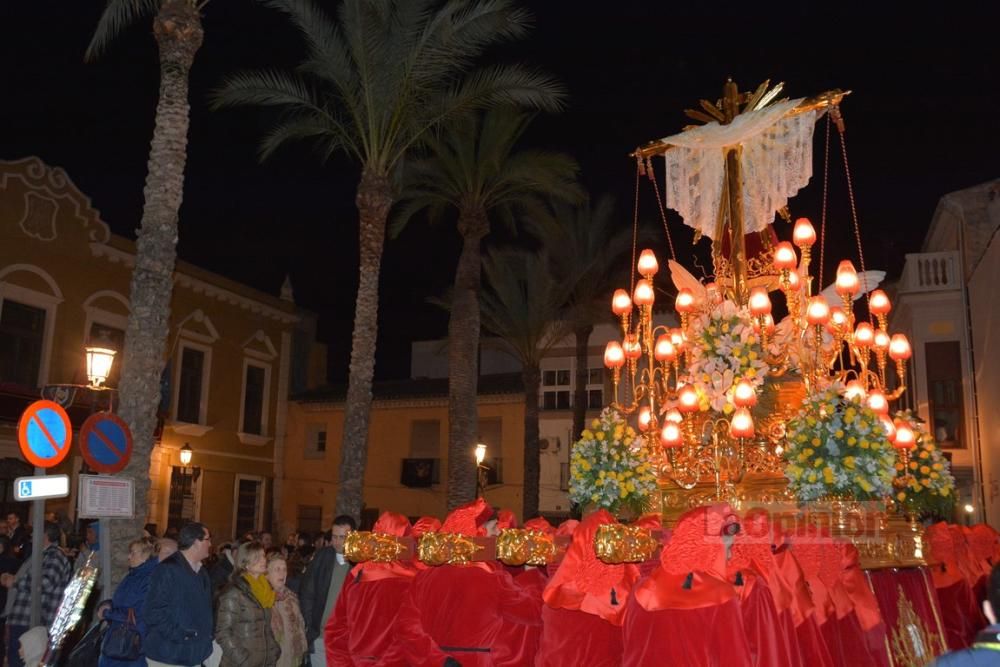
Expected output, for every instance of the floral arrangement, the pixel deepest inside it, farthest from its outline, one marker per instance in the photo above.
(724, 350)
(609, 466)
(838, 447)
(926, 486)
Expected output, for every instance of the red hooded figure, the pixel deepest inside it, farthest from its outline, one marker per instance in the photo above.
(458, 611)
(518, 642)
(359, 631)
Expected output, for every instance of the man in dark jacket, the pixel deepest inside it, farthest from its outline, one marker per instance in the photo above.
(321, 584)
(178, 609)
(986, 648)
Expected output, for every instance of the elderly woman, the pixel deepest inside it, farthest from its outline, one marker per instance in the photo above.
(125, 606)
(243, 624)
(286, 619)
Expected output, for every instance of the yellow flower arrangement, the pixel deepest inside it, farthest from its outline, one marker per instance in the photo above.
(929, 488)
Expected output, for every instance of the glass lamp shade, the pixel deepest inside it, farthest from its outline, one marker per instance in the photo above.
(670, 435)
(741, 424)
(647, 265)
(744, 395)
(905, 437)
(879, 303)
(645, 417)
(847, 279)
(864, 335)
(664, 349)
(803, 234)
(760, 302)
(99, 360)
(784, 256)
(899, 347)
(620, 302)
(614, 355)
(685, 300)
(643, 294)
(688, 399)
(186, 454)
(633, 350)
(480, 454)
(818, 311)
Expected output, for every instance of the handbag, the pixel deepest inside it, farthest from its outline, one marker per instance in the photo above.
(87, 651)
(122, 641)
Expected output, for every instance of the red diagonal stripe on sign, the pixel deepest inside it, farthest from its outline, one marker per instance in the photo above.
(45, 432)
(107, 441)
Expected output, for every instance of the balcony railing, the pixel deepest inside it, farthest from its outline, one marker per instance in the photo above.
(931, 272)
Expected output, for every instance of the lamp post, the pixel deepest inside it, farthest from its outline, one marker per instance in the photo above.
(481, 470)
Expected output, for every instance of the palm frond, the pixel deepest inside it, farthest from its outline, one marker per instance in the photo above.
(117, 15)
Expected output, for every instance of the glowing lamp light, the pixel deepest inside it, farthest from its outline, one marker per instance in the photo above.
(879, 303)
(818, 311)
(632, 348)
(99, 359)
(614, 355)
(664, 349)
(969, 509)
(673, 415)
(768, 324)
(881, 340)
(760, 302)
(677, 338)
(838, 320)
(889, 427)
(784, 256)
(878, 402)
(854, 390)
(847, 279)
(670, 435)
(620, 302)
(480, 454)
(905, 437)
(185, 455)
(647, 265)
(864, 335)
(803, 234)
(899, 348)
(643, 294)
(684, 303)
(744, 395)
(688, 399)
(645, 417)
(794, 280)
(741, 424)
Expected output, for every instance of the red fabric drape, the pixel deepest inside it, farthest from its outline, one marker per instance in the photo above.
(360, 630)
(517, 643)
(572, 638)
(897, 589)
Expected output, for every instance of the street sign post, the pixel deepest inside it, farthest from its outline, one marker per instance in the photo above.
(105, 442)
(41, 487)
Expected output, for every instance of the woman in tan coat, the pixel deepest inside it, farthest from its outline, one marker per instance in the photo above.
(243, 624)
(286, 618)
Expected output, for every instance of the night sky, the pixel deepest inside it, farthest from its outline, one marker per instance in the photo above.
(923, 121)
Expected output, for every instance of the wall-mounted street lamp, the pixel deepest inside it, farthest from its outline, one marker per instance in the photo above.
(481, 470)
(100, 356)
(185, 455)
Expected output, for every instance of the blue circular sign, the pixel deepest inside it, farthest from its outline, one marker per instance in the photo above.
(44, 433)
(105, 442)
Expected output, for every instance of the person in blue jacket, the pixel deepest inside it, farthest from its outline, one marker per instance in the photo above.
(130, 596)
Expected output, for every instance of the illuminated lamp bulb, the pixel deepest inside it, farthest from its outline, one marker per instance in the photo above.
(645, 416)
(818, 311)
(854, 390)
(647, 265)
(864, 335)
(905, 437)
(741, 424)
(881, 340)
(784, 256)
(889, 427)
(899, 348)
(760, 302)
(688, 399)
(794, 280)
(768, 322)
(803, 234)
(643, 293)
(684, 303)
(677, 338)
(670, 435)
(632, 348)
(847, 279)
(744, 395)
(614, 355)
(620, 302)
(664, 349)
(878, 402)
(673, 415)
(838, 320)
(879, 303)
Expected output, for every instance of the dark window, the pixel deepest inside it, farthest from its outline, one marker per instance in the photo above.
(115, 339)
(595, 376)
(22, 329)
(189, 391)
(247, 502)
(944, 393)
(253, 401)
(562, 377)
(555, 400)
(549, 378)
(321, 441)
(595, 398)
(310, 519)
(181, 506)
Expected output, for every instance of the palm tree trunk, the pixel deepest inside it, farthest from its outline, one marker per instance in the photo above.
(374, 199)
(580, 398)
(532, 377)
(463, 362)
(178, 31)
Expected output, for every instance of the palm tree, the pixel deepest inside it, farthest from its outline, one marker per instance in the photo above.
(373, 84)
(584, 253)
(521, 305)
(473, 168)
(178, 32)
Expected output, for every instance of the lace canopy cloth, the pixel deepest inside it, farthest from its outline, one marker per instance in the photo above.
(776, 163)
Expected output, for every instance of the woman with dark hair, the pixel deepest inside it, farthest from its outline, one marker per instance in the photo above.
(125, 606)
(243, 624)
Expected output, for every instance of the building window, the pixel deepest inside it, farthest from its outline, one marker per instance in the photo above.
(249, 503)
(556, 389)
(595, 388)
(190, 386)
(254, 386)
(22, 335)
(183, 488)
(321, 441)
(310, 519)
(115, 337)
(944, 393)
(316, 439)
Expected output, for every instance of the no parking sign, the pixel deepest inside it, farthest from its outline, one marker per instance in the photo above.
(105, 442)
